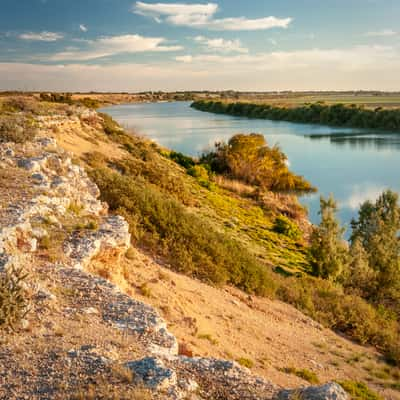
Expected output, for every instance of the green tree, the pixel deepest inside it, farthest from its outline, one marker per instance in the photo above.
(377, 228)
(329, 252)
(359, 277)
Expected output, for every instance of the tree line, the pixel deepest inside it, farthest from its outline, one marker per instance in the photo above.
(316, 113)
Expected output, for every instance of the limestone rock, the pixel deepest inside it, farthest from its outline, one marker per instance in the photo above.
(329, 391)
(153, 373)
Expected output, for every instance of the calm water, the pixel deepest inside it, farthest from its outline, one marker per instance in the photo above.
(353, 164)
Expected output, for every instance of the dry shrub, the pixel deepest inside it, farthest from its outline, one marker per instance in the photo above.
(13, 298)
(16, 128)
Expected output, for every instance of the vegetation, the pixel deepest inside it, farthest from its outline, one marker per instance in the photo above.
(285, 226)
(181, 159)
(249, 159)
(173, 217)
(305, 374)
(189, 243)
(13, 299)
(359, 391)
(66, 98)
(328, 249)
(369, 269)
(315, 113)
(16, 129)
(245, 362)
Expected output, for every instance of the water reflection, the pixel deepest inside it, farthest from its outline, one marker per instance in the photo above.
(382, 141)
(361, 193)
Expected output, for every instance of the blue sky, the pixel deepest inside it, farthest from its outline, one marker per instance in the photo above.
(126, 45)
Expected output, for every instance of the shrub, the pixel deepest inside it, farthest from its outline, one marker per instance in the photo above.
(250, 159)
(285, 226)
(305, 374)
(245, 362)
(201, 173)
(13, 300)
(359, 390)
(18, 129)
(181, 159)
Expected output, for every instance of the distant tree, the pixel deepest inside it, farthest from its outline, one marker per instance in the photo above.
(329, 251)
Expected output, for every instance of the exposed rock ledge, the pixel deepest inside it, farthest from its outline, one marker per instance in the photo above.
(58, 184)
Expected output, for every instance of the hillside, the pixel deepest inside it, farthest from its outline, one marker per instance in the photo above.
(92, 333)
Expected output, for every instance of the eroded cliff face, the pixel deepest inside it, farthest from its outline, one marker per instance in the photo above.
(83, 337)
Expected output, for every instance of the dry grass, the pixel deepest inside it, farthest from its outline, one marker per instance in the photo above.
(234, 186)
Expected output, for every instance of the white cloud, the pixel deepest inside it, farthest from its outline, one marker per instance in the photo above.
(111, 45)
(42, 36)
(382, 33)
(367, 67)
(221, 45)
(273, 42)
(83, 28)
(352, 59)
(202, 16)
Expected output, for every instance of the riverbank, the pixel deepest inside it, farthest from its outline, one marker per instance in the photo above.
(351, 116)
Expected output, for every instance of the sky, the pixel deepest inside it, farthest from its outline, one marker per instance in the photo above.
(260, 45)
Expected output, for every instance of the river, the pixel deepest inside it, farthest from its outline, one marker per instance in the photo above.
(353, 164)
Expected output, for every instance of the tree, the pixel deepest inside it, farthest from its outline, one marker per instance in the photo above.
(377, 228)
(359, 277)
(329, 252)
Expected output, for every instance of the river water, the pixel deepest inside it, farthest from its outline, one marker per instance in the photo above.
(353, 164)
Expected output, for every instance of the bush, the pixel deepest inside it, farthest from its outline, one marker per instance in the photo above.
(201, 173)
(305, 374)
(245, 362)
(359, 390)
(185, 161)
(17, 129)
(250, 159)
(285, 226)
(13, 300)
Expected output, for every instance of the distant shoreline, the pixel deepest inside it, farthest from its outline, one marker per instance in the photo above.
(352, 116)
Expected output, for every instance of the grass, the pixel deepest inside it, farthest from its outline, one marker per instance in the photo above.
(303, 373)
(208, 337)
(359, 390)
(145, 290)
(245, 362)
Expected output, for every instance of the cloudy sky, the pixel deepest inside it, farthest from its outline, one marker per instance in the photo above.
(125, 45)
